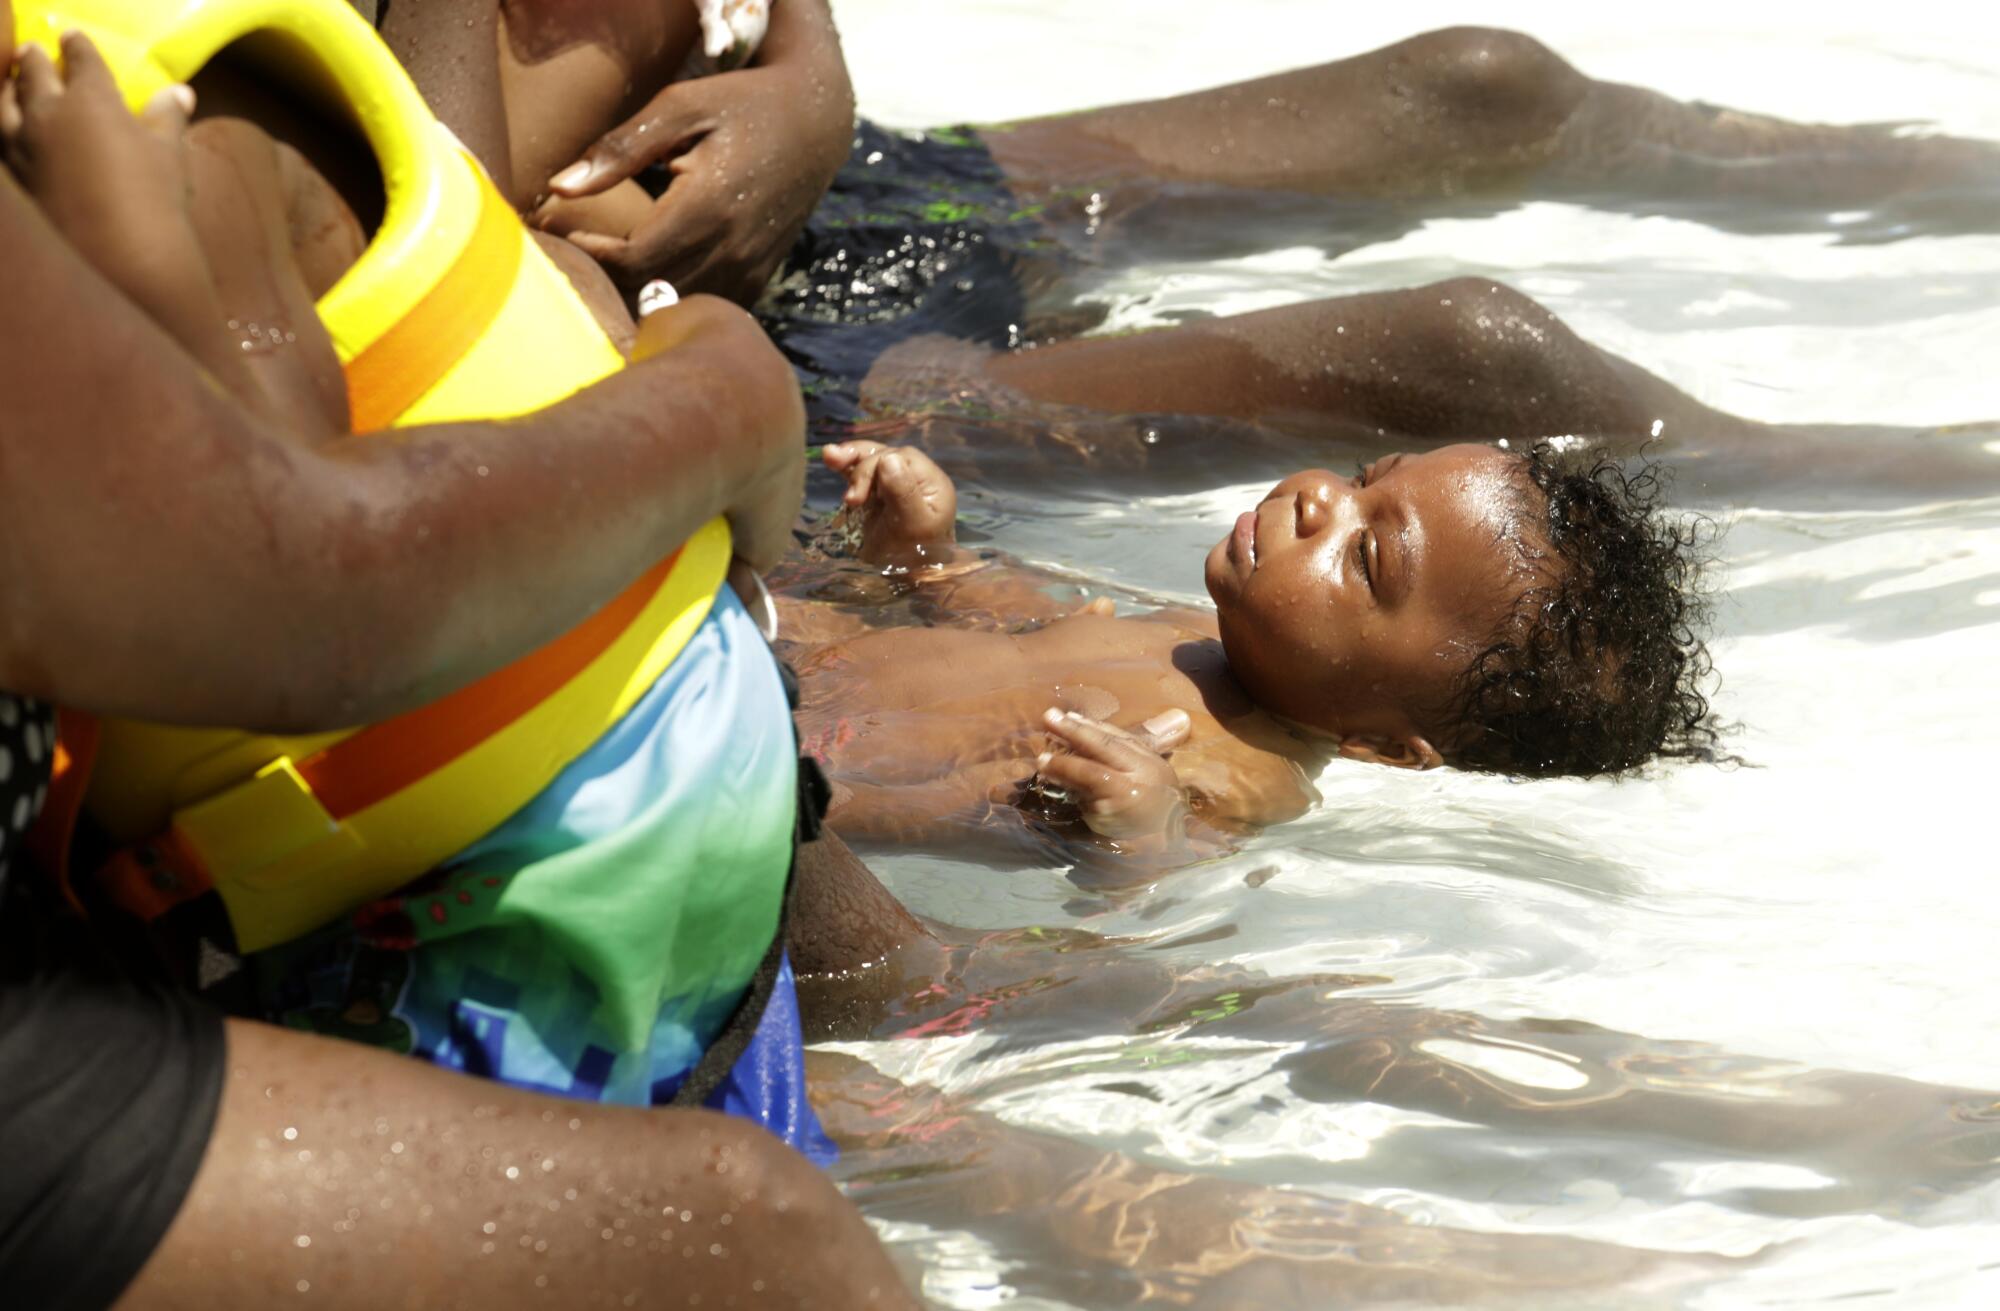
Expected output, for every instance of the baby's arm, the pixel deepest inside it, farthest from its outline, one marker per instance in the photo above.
(117, 187)
(905, 508)
(975, 802)
(193, 226)
(1140, 814)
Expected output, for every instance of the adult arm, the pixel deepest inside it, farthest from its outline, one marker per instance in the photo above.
(449, 52)
(168, 555)
(722, 227)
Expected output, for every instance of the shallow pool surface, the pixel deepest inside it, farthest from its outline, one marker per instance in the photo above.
(1711, 1037)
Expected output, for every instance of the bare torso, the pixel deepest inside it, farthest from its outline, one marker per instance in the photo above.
(941, 723)
(283, 204)
(571, 68)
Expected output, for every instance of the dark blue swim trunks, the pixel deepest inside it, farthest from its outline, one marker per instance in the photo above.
(919, 234)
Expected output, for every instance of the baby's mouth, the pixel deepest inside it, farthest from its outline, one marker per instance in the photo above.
(1244, 538)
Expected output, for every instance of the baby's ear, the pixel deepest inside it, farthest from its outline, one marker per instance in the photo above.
(1408, 751)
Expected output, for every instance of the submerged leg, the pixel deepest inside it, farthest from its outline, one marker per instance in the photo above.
(1082, 1224)
(1462, 360)
(1452, 361)
(1466, 111)
(1878, 1143)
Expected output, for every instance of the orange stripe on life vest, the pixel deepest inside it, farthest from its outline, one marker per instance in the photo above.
(69, 778)
(382, 759)
(397, 369)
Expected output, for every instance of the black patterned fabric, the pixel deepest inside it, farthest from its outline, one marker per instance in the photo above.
(27, 747)
(108, 1086)
(918, 235)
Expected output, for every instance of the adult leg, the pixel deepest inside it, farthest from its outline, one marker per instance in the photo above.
(1467, 111)
(1095, 1227)
(1462, 360)
(1881, 1142)
(373, 1181)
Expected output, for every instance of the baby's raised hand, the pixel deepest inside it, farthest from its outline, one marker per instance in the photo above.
(1125, 786)
(114, 185)
(904, 502)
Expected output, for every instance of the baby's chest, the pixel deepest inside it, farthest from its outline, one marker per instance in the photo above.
(940, 698)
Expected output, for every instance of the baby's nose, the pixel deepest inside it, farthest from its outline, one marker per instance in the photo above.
(1313, 507)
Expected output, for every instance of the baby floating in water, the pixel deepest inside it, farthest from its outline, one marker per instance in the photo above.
(1528, 613)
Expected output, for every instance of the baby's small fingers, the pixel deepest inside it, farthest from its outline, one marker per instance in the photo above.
(10, 111)
(1075, 773)
(841, 456)
(166, 114)
(861, 479)
(1090, 738)
(1167, 730)
(41, 85)
(86, 69)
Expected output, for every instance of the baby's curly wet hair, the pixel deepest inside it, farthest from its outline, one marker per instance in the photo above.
(1601, 666)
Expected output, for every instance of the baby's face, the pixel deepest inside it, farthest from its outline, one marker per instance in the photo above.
(1352, 604)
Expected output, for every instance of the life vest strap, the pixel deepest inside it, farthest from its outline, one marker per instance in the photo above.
(288, 821)
(399, 367)
(149, 879)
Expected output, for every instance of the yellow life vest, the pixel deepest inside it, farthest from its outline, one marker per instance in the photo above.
(451, 313)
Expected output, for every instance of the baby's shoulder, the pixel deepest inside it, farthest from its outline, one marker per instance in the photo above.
(1244, 769)
(1243, 785)
(1189, 619)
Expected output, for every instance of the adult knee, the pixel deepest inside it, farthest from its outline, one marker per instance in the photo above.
(1527, 362)
(1491, 73)
(1490, 318)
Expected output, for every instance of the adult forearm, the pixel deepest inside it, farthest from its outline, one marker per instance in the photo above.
(368, 1180)
(168, 554)
(803, 31)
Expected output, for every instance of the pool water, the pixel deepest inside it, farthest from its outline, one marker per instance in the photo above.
(1739, 1013)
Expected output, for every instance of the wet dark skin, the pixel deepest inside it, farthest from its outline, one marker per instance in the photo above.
(1345, 608)
(1883, 1145)
(565, 102)
(1439, 119)
(276, 587)
(296, 561)
(1476, 111)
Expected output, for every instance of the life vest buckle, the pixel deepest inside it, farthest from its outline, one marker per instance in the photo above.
(263, 846)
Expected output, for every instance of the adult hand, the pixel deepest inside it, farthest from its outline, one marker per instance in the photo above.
(768, 479)
(750, 153)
